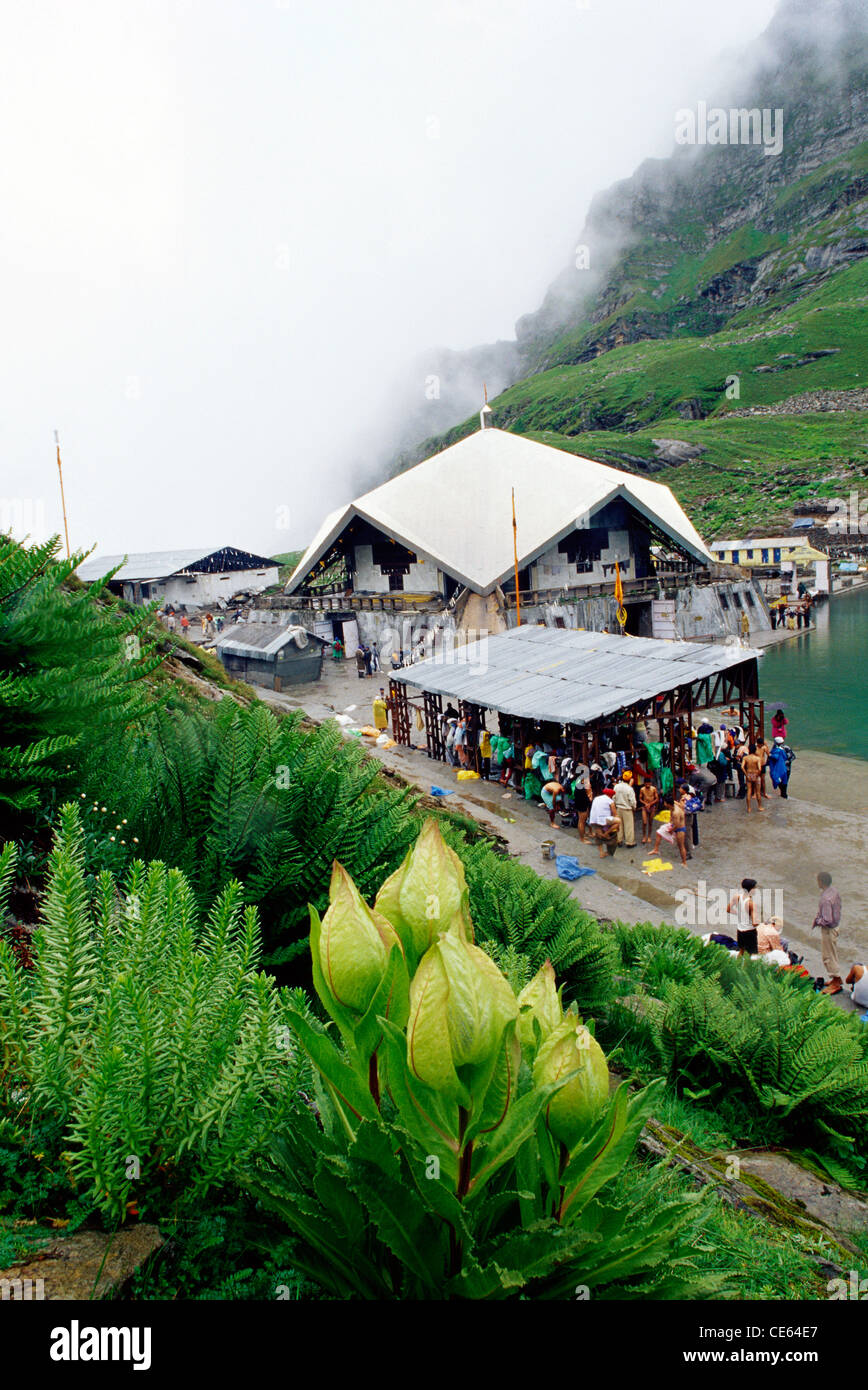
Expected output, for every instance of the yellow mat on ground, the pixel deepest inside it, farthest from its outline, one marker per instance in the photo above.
(655, 866)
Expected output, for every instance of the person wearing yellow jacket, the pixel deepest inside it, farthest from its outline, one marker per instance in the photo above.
(381, 711)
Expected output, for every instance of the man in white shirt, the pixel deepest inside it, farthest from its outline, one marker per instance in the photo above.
(603, 821)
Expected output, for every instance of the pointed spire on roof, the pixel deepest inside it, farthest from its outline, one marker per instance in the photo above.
(486, 409)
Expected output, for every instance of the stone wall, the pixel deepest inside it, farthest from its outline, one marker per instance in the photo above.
(710, 611)
(704, 611)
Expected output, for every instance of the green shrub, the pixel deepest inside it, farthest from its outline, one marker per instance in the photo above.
(464, 1143)
(744, 1030)
(144, 1047)
(243, 794)
(72, 669)
(272, 802)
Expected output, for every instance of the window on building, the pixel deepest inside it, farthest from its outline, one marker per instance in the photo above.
(396, 580)
(724, 603)
(736, 598)
(735, 555)
(584, 548)
(750, 602)
(559, 622)
(776, 555)
(749, 554)
(765, 557)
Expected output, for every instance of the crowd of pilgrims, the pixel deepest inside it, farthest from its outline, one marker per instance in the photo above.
(633, 771)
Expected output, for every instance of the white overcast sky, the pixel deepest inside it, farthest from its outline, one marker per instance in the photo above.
(224, 225)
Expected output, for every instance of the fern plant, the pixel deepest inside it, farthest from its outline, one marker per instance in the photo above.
(275, 802)
(761, 1034)
(513, 906)
(245, 794)
(72, 669)
(148, 1038)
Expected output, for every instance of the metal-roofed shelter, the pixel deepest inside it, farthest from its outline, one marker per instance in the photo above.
(265, 654)
(185, 577)
(578, 686)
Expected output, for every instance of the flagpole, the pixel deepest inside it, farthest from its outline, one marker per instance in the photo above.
(62, 498)
(515, 557)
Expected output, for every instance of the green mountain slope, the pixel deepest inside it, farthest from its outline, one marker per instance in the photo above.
(724, 304)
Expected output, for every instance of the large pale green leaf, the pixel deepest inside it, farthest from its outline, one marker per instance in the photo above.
(493, 1086)
(504, 1143)
(392, 1001)
(354, 1100)
(431, 1119)
(602, 1156)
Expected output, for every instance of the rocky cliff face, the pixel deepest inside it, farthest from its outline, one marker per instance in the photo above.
(688, 242)
(812, 66)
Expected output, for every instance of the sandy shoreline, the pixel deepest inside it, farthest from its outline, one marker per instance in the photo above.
(823, 825)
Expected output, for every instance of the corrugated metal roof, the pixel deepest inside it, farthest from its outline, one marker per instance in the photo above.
(146, 564)
(154, 564)
(264, 640)
(565, 676)
(456, 507)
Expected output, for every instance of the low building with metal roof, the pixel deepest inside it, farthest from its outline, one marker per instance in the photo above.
(264, 654)
(183, 578)
(577, 685)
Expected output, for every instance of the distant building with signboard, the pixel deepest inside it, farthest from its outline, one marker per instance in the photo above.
(781, 553)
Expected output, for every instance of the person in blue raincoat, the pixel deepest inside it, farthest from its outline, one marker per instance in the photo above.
(781, 759)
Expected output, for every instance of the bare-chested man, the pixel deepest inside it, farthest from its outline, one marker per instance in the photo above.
(753, 768)
(676, 831)
(762, 752)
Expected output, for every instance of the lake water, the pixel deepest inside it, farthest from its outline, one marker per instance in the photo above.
(820, 679)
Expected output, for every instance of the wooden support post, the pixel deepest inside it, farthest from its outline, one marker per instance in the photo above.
(400, 712)
(433, 704)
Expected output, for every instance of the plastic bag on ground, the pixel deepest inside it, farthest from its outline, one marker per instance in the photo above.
(568, 867)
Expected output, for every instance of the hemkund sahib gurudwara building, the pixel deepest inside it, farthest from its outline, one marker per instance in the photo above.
(431, 555)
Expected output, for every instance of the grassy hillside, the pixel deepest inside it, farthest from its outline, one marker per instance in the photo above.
(753, 466)
(722, 302)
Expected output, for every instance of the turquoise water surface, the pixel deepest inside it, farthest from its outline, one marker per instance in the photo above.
(820, 679)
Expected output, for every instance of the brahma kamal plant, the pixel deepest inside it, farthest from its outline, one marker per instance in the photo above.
(460, 1141)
